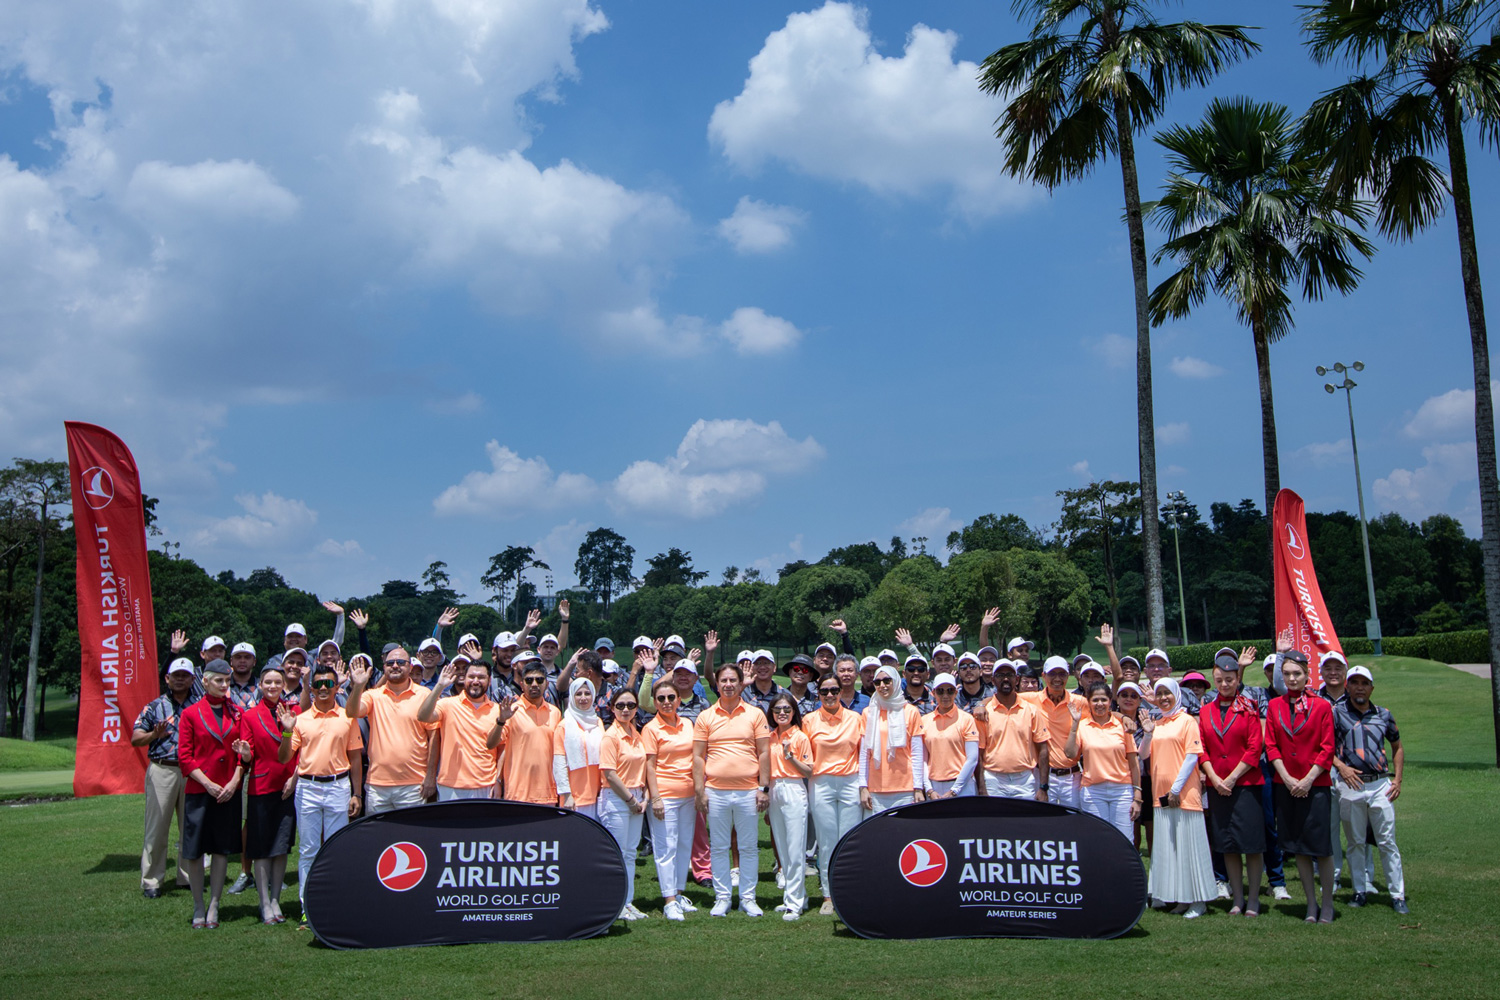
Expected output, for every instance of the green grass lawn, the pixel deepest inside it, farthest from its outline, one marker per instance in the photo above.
(76, 925)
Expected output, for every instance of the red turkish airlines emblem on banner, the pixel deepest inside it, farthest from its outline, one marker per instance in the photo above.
(1299, 601)
(401, 866)
(116, 626)
(923, 863)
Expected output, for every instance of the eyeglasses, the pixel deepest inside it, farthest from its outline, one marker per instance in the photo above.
(666, 696)
(397, 663)
(624, 706)
(324, 684)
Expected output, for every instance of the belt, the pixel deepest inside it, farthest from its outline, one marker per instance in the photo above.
(170, 762)
(1375, 776)
(324, 778)
(1075, 769)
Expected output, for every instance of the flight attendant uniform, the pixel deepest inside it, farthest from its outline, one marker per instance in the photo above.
(1300, 735)
(1231, 735)
(204, 741)
(271, 817)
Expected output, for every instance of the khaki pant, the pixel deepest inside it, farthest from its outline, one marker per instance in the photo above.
(164, 797)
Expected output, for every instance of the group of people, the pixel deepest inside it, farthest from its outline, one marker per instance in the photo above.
(684, 755)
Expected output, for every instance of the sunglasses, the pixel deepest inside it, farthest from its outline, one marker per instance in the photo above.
(396, 663)
(624, 706)
(883, 680)
(534, 680)
(916, 670)
(782, 710)
(324, 684)
(829, 692)
(666, 697)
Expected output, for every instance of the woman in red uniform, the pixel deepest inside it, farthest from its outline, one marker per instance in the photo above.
(1299, 745)
(1229, 727)
(211, 813)
(271, 813)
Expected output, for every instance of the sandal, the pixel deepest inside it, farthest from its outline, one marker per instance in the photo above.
(199, 923)
(1235, 911)
(1251, 913)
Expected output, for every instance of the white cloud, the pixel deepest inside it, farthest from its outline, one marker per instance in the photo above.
(752, 331)
(756, 227)
(933, 524)
(1080, 468)
(209, 191)
(1113, 349)
(1325, 454)
(820, 98)
(719, 464)
(339, 550)
(1417, 493)
(513, 485)
(1194, 368)
(269, 520)
(1170, 434)
(1446, 416)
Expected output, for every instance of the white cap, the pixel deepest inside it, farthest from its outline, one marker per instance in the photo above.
(1130, 686)
(242, 647)
(549, 637)
(295, 651)
(459, 656)
(523, 658)
(967, 657)
(686, 664)
(916, 658)
(1080, 658)
(887, 654)
(869, 661)
(211, 642)
(943, 647)
(181, 665)
(1054, 663)
(942, 679)
(990, 649)
(1332, 654)
(328, 642)
(762, 654)
(675, 640)
(1353, 673)
(430, 643)
(643, 642)
(467, 638)
(1269, 661)
(1017, 642)
(743, 656)
(1089, 664)
(828, 646)
(1159, 654)
(609, 666)
(505, 640)
(295, 628)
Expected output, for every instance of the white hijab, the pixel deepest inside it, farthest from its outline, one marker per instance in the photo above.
(1176, 690)
(895, 720)
(582, 733)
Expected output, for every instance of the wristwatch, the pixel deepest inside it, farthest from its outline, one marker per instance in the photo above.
(766, 789)
(1045, 785)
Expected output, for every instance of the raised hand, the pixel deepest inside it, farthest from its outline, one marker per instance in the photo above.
(1284, 640)
(179, 639)
(711, 641)
(1247, 656)
(950, 633)
(1106, 634)
(337, 609)
(657, 645)
(285, 718)
(903, 636)
(838, 626)
(1147, 724)
(563, 609)
(1075, 711)
(448, 676)
(695, 654)
(990, 617)
(448, 617)
(160, 729)
(359, 618)
(471, 650)
(647, 659)
(533, 618)
(507, 708)
(244, 749)
(360, 672)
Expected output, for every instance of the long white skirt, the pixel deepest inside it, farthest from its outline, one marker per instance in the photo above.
(1181, 869)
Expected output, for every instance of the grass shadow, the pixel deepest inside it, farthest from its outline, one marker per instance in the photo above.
(115, 863)
(1452, 765)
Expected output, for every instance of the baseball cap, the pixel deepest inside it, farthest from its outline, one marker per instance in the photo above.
(506, 640)
(295, 628)
(1226, 659)
(242, 647)
(603, 643)
(887, 654)
(987, 649)
(296, 651)
(744, 656)
(1332, 654)
(869, 661)
(1158, 654)
(686, 664)
(828, 646)
(609, 666)
(181, 665)
(216, 667)
(1353, 673)
(967, 658)
(762, 654)
(1055, 663)
(1088, 665)
(801, 662)
(328, 642)
(1130, 659)
(1130, 686)
(942, 679)
(524, 657)
(943, 647)
(675, 644)
(211, 642)
(467, 638)
(549, 637)
(1081, 658)
(457, 657)
(916, 658)
(642, 642)
(430, 643)
(1016, 642)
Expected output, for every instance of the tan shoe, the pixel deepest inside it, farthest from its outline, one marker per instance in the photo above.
(827, 908)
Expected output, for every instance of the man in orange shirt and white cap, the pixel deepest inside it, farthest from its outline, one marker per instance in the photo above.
(398, 742)
(1056, 703)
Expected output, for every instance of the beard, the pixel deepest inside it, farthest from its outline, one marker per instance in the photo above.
(1005, 686)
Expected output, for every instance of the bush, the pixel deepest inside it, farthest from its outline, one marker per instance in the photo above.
(1445, 647)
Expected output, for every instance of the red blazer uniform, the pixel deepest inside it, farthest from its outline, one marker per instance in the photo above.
(203, 743)
(259, 728)
(1301, 738)
(1231, 739)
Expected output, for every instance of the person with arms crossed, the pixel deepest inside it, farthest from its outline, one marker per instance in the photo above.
(1372, 783)
(398, 741)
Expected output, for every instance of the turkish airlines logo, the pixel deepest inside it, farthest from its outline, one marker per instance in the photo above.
(401, 867)
(98, 487)
(923, 863)
(1294, 542)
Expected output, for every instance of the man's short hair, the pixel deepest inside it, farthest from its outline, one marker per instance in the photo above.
(592, 660)
(846, 657)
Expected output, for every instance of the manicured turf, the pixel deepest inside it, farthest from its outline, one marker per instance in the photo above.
(74, 923)
(18, 755)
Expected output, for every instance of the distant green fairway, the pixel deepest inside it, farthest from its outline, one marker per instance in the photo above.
(74, 923)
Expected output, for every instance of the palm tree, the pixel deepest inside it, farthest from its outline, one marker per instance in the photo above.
(1434, 66)
(1246, 214)
(1079, 93)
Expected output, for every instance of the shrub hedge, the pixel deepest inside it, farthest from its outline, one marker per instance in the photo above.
(1445, 647)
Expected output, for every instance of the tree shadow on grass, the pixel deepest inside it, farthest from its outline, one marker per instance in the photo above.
(1452, 765)
(113, 863)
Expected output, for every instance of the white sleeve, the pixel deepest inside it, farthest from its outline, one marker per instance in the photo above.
(560, 774)
(1189, 765)
(919, 764)
(864, 766)
(971, 761)
(338, 630)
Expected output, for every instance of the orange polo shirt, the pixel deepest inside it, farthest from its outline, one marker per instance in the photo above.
(894, 773)
(801, 748)
(463, 728)
(1059, 722)
(624, 754)
(1105, 750)
(835, 741)
(527, 742)
(398, 739)
(584, 781)
(323, 740)
(732, 762)
(1009, 736)
(673, 748)
(943, 739)
(1171, 742)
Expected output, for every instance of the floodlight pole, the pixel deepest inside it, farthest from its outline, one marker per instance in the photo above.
(1372, 627)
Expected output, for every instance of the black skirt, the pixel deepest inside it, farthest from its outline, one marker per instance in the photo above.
(210, 827)
(1147, 799)
(270, 824)
(1236, 823)
(1303, 826)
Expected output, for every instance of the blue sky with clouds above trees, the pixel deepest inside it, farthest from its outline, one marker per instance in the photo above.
(369, 284)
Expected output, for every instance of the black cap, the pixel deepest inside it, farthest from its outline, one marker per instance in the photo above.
(801, 660)
(1227, 661)
(216, 667)
(1296, 656)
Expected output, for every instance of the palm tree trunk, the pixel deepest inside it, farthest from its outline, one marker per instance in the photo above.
(1267, 420)
(1484, 404)
(1156, 613)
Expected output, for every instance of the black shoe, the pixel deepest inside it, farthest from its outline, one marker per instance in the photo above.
(151, 893)
(1358, 900)
(1399, 905)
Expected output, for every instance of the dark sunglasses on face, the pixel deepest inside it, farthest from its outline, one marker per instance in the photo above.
(780, 709)
(397, 663)
(534, 680)
(666, 696)
(883, 680)
(324, 684)
(624, 706)
(829, 692)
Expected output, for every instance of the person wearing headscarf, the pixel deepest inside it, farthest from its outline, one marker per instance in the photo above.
(1230, 728)
(1111, 787)
(575, 750)
(732, 783)
(950, 743)
(1181, 871)
(1299, 743)
(891, 769)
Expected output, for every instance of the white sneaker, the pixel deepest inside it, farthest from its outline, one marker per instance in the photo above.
(672, 911)
(780, 907)
(1224, 890)
(780, 878)
(791, 915)
(686, 905)
(637, 912)
(750, 908)
(734, 878)
(625, 914)
(1195, 911)
(1279, 892)
(721, 908)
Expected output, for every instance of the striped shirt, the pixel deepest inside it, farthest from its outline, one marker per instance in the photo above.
(1359, 738)
(166, 707)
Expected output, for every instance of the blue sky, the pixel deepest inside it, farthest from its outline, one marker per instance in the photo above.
(368, 284)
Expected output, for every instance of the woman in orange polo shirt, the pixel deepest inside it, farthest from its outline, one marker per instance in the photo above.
(1181, 868)
(731, 781)
(890, 758)
(1111, 770)
(950, 743)
(575, 751)
(791, 765)
(623, 800)
(835, 734)
(668, 741)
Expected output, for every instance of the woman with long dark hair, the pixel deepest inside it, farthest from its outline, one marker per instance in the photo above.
(791, 766)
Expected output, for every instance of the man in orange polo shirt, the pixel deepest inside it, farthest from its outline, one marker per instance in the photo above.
(398, 739)
(1056, 703)
(1013, 740)
(523, 733)
(467, 767)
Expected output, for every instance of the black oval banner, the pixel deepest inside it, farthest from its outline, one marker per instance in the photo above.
(987, 867)
(455, 872)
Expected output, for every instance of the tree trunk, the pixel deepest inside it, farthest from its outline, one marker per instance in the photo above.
(1145, 412)
(28, 720)
(1207, 634)
(6, 627)
(1484, 404)
(1267, 417)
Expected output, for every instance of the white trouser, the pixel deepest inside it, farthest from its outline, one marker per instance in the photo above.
(322, 811)
(942, 787)
(1063, 789)
(835, 811)
(1336, 814)
(591, 810)
(625, 826)
(164, 798)
(1371, 807)
(882, 801)
(1110, 801)
(447, 793)
(672, 844)
(1020, 785)
(733, 810)
(789, 827)
(384, 798)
